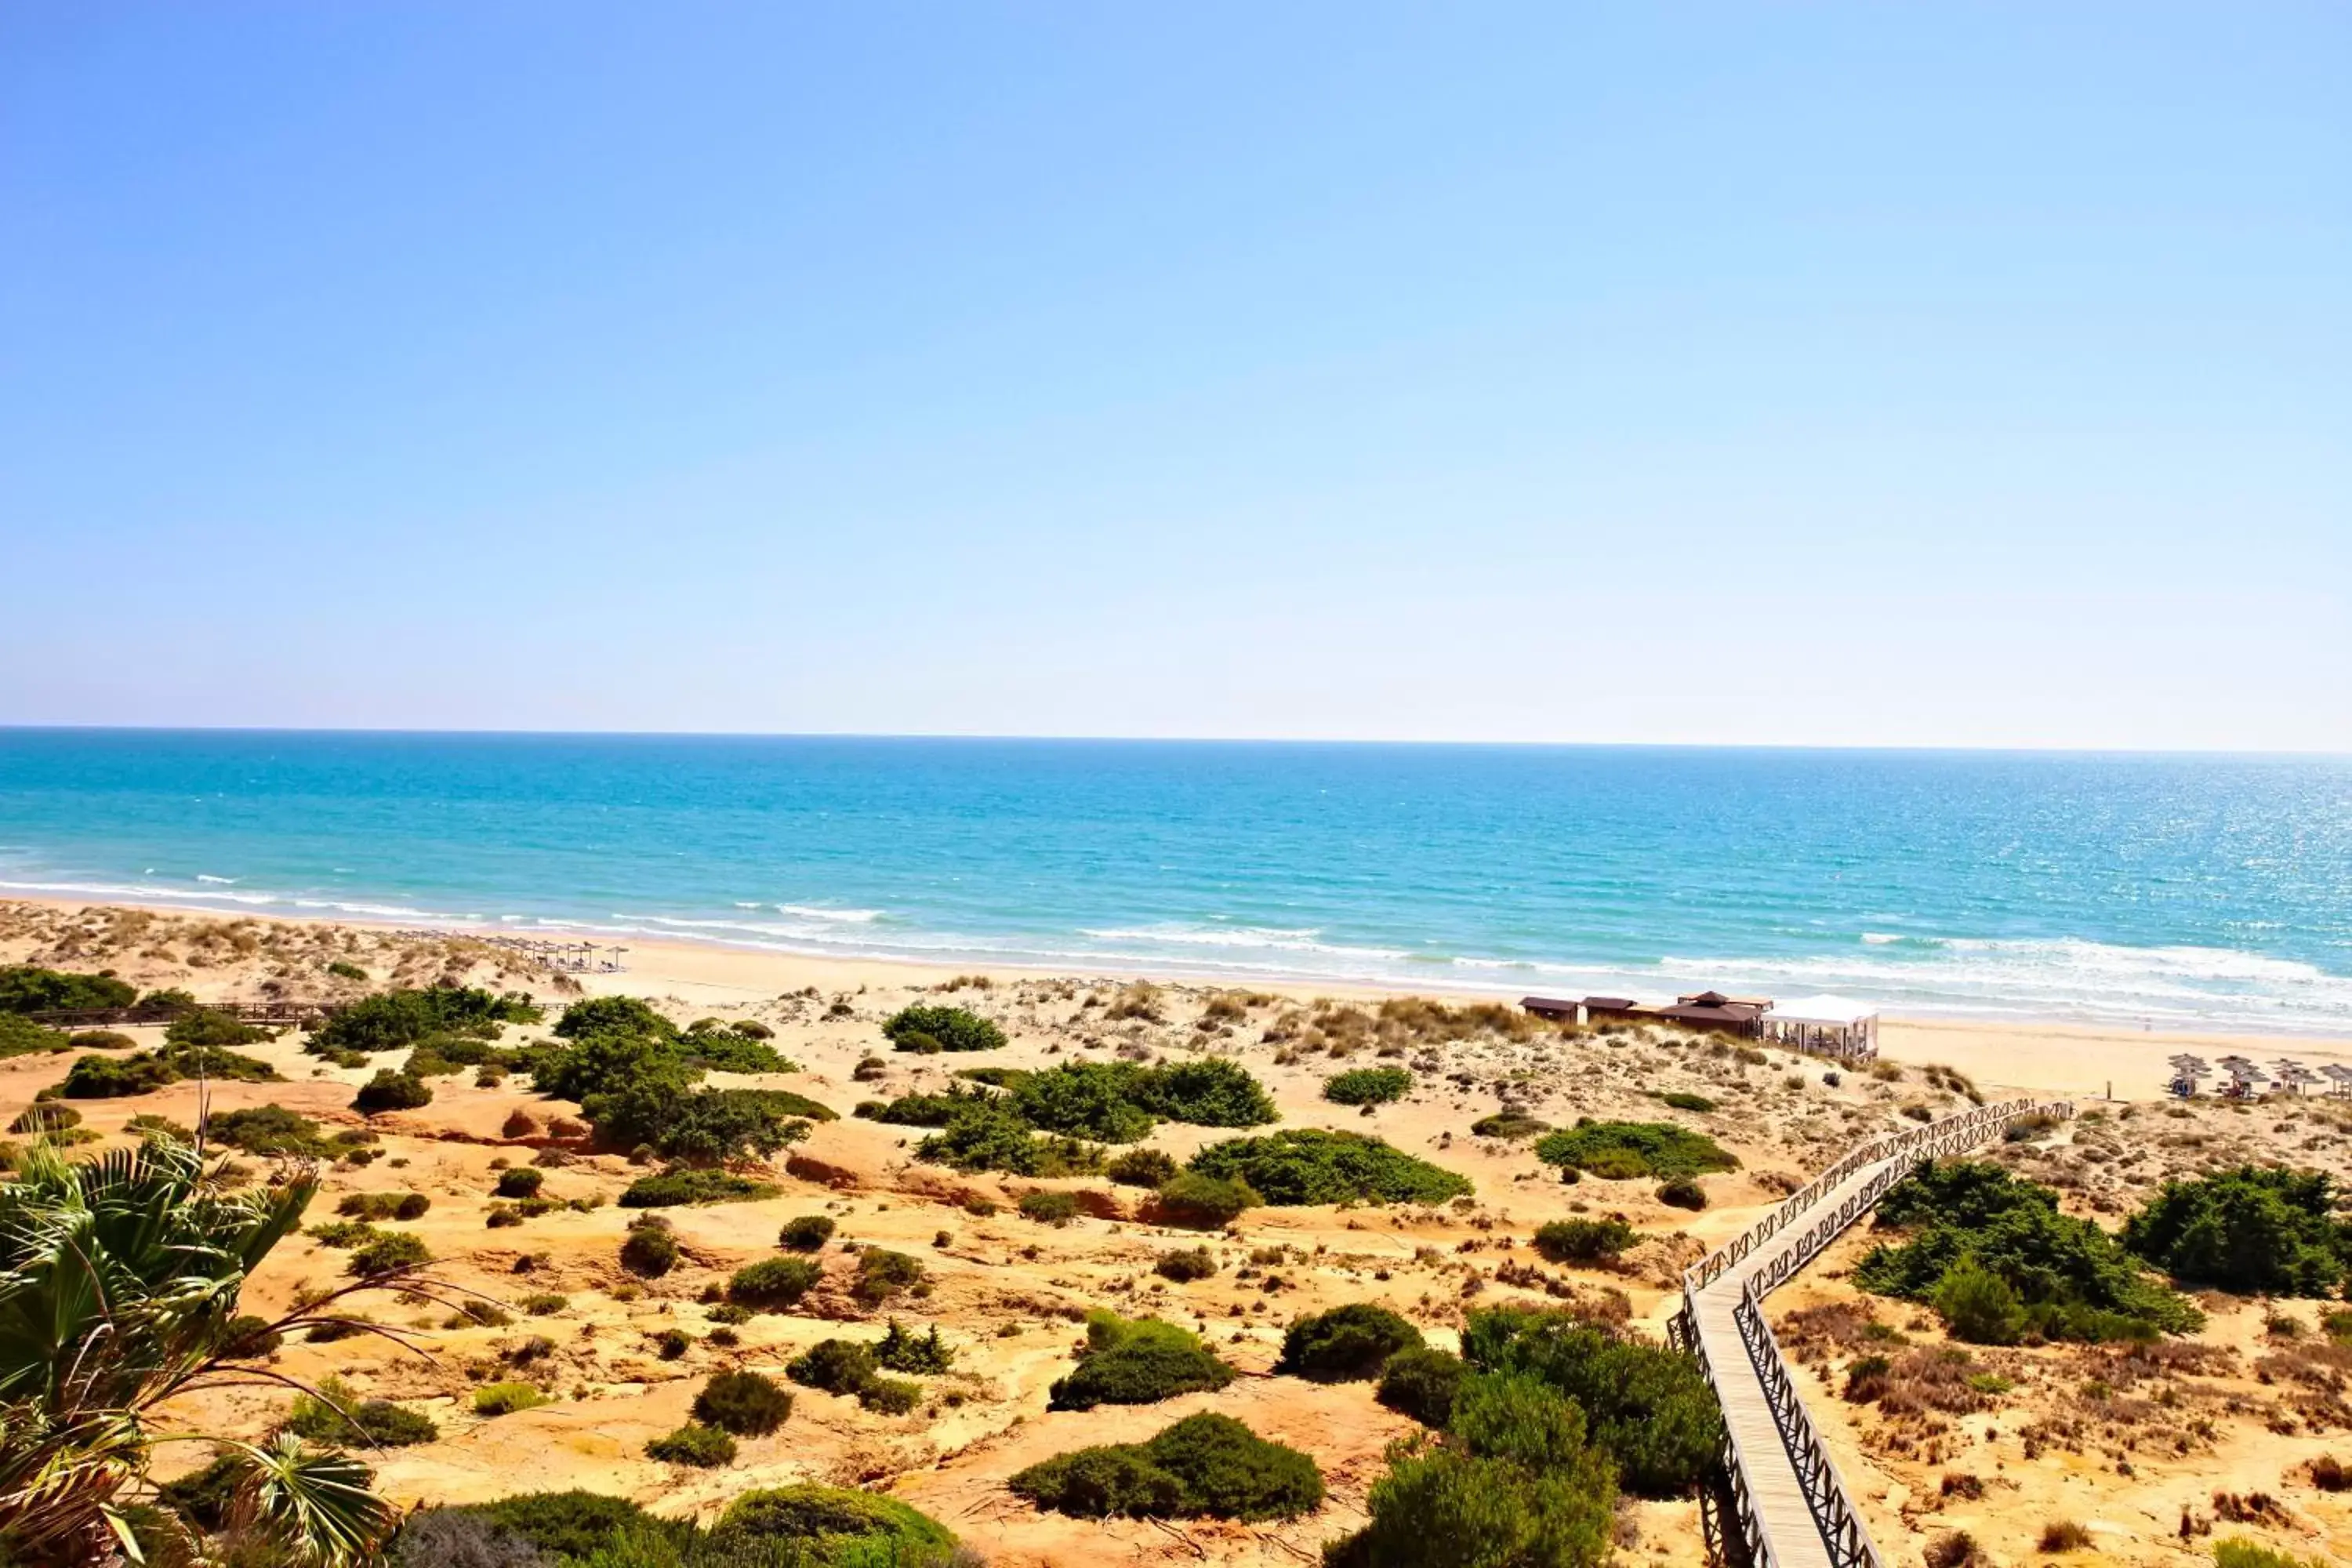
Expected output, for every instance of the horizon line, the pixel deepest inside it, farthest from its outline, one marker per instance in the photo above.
(1983, 748)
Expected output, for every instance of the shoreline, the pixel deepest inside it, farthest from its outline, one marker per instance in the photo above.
(2043, 1055)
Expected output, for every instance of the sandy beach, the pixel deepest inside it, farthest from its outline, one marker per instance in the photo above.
(622, 1357)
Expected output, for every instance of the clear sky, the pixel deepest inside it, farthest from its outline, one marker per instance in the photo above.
(1961, 373)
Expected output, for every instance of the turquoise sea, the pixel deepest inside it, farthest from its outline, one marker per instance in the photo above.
(2175, 890)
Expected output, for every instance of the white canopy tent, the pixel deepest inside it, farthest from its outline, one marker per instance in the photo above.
(1832, 1025)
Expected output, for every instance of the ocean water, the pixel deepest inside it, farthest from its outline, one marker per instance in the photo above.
(2176, 891)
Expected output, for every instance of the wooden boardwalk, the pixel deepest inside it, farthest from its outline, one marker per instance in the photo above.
(1789, 1506)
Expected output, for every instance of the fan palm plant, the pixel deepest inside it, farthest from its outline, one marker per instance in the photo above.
(119, 1280)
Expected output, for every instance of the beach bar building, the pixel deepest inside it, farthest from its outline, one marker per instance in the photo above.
(1826, 1026)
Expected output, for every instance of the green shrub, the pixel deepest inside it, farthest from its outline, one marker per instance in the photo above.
(205, 1497)
(199, 1028)
(596, 1016)
(705, 1124)
(389, 1254)
(1205, 1091)
(383, 1206)
(28, 988)
(834, 1366)
(266, 1130)
(1682, 1193)
(736, 1052)
(1681, 1099)
(1977, 1305)
(20, 1037)
(1141, 1167)
(343, 969)
(1082, 1100)
(772, 1283)
(1185, 1264)
(1621, 1151)
(519, 1181)
(924, 1110)
(389, 1090)
(806, 1233)
(704, 1447)
(672, 1188)
(839, 1527)
(46, 1116)
(335, 1415)
(1203, 1465)
(1308, 1165)
(955, 1028)
(1368, 1085)
(505, 1399)
(1584, 1240)
(2253, 1230)
(882, 1274)
(889, 1396)
(543, 1303)
(1421, 1383)
(1345, 1345)
(743, 1403)
(1512, 1124)
(2072, 1280)
(562, 1524)
(1208, 1202)
(988, 1137)
(1056, 1209)
(650, 1249)
(1137, 1362)
(1647, 1406)
(1515, 1485)
(2237, 1552)
(98, 1040)
(248, 1337)
(103, 1078)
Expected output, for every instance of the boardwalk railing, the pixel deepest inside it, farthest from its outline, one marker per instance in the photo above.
(1827, 1499)
(165, 1012)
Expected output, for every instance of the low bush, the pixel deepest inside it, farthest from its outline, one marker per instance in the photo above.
(773, 1283)
(1136, 1362)
(735, 1052)
(519, 1181)
(2064, 1535)
(46, 1116)
(383, 1206)
(1621, 1151)
(1512, 1124)
(954, 1028)
(743, 1403)
(1204, 1465)
(562, 1524)
(889, 1396)
(1141, 1167)
(899, 1351)
(650, 1248)
(834, 1366)
(389, 1090)
(704, 1447)
(29, 988)
(985, 1136)
(882, 1274)
(390, 1253)
(1205, 1091)
(1647, 1406)
(2252, 1230)
(266, 1130)
(1185, 1264)
(505, 1399)
(391, 1019)
(672, 1189)
(336, 1415)
(1682, 1193)
(1584, 1240)
(1421, 1383)
(836, 1527)
(1345, 1345)
(2237, 1552)
(1308, 1165)
(2070, 1279)
(1514, 1483)
(104, 1078)
(806, 1233)
(101, 1040)
(1683, 1100)
(1203, 1202)
(1368, 1085)
(20, 1037)
(1056, 1209)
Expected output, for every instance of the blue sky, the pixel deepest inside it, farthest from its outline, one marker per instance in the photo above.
(1961, 374)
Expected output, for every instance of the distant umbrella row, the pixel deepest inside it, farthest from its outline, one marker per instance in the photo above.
(2242, 1077)
(568, 957)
